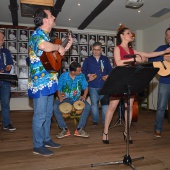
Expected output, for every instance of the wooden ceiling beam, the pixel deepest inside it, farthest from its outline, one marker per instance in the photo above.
(14, 11)
(102, 6)
(57, 7)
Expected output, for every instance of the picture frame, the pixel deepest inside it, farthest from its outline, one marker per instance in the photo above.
(74, 59)
(110, 51)
(63, 36)
(22, 47)
(23, 72)
(92, 39)
(12, 34)
(110, 41)
(22, 59)
(3, 30)
(22, 84)
(65, 62)
(104, 51)
(74, 50)
(84, 50)
(12, 46)
(30, 33)
(83, 39)
(75, 38)
(23, 35)
(102, 39)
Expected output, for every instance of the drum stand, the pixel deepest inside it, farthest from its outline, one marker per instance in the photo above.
(128, 83)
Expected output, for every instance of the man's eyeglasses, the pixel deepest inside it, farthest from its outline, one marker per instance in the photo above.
(94, 49)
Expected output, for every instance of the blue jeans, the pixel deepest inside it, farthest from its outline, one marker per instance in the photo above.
(163, 97)
(60, 119)
(95, 98)
(5, 89)
(43, 110)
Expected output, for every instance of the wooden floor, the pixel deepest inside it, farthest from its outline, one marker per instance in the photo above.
(79, 153)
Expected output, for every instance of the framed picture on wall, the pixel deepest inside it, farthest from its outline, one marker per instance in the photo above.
(11, 34)
(83, 39)
(63, 36)
(3, 30)
(110, 51)
(30, 33)
(84, 50)
(22, 84)
(22, 72)
(75, 38)
(111, 61)
(110, 41)
(74, 59)
(102, 39)
(92, 39)
(22, 59)
(74, 50)
(104, 50)
(12, 46)
(54, 34)
(14, 58)
(23, 47)
(65, 62)
(23, 35)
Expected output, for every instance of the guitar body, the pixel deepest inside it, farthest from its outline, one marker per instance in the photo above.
(51, 61)
(135, 111)
(164, 67)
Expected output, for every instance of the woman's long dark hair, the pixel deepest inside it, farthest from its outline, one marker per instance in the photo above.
(121, 31)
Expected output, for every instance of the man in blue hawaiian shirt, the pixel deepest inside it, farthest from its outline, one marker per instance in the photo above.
(70, 86)
(42, 84)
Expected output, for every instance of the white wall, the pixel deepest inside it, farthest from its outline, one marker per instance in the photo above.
(148, 40)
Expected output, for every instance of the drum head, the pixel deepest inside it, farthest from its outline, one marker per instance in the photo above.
(79, 105)
(65, 107)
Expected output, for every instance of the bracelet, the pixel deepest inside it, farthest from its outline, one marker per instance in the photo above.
(134, 59)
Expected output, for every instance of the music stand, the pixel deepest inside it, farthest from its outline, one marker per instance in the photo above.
(8, 77)
(126, 81)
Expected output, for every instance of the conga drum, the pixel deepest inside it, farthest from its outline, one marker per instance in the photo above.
(65, 109)
(78, 107)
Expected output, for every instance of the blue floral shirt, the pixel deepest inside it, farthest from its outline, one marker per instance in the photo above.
(72, 88)
(40, 81)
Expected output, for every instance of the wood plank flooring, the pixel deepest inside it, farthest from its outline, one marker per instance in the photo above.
(79, 153)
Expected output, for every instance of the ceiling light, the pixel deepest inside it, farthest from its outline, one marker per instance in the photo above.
(78, 4)
(69, 19)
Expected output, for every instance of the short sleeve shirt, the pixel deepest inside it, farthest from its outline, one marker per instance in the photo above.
(40, 80)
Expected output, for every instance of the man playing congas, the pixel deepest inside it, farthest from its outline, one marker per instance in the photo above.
(70, 85)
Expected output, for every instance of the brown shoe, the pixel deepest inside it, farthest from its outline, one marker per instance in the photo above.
(157, 134)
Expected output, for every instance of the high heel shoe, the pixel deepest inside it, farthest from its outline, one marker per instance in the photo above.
(125, 138)
(106, 141)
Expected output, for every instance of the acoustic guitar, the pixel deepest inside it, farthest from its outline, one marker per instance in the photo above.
(52, 60)
(164, 67)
